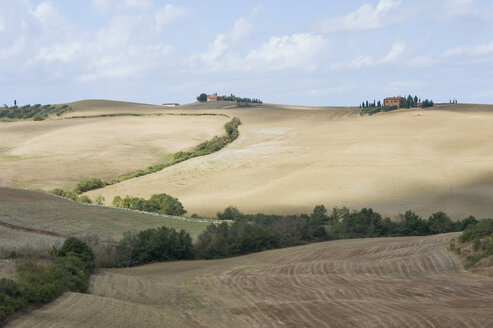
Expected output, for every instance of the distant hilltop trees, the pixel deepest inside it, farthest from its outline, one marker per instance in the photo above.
(37, 112)
(392, 103)
(203, 97)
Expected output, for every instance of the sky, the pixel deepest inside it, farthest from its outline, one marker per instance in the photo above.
(287, 52)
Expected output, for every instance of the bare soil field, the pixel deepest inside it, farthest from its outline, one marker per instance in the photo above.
(290, 158)
(385, 282)
(57, 153)
(32, 218)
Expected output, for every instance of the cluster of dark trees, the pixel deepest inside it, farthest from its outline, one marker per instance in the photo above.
(158, 203)
(153, 245)
(37, 112)
(254, 233)
(232, 97)
(368, 107)
(203, 98)
(38, 283)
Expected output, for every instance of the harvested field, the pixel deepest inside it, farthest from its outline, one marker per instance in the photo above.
(58, 153)
(385, 282)
(47, 217)
(290, 158)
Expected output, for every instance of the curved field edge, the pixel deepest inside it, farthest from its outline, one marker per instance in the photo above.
(204, 148)
(51, 214)
(382, 282)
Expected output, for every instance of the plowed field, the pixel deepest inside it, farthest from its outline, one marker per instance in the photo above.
(388, 282)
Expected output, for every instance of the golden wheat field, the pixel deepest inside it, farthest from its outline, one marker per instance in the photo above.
(57, 153)
(384, 282)
(290, 158)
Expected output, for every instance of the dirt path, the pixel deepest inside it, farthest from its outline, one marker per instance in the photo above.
(388, 282)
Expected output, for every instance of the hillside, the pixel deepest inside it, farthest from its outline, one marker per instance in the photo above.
(384, 282)
(53, 218)
(59, 153)
(291, 158)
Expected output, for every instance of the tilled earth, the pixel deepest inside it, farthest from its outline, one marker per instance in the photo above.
(384, 282)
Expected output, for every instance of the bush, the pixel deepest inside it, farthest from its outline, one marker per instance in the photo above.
(158, 203)
(477, 231)
(41, 283)
(439, 222)
(202, 97)
(99, 200)
(85, 199)
(88, 184)
(79, 249)
(229, 213)
(151, 245)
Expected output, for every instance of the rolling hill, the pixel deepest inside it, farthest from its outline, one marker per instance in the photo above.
(384, 282)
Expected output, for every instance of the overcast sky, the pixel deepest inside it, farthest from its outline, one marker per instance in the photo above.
(288, 52)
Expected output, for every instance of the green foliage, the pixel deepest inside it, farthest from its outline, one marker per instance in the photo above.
(477, 231)
(427, 103)
(439, 222)
(158, 203)
(99, 200)
(153, 245)
(84, 199)
(36, 112)
(79, 249)
(229, 213)
(41, 283)
(202, 97)
(253, 233)
(88, 184)
(242, 102)
(376, 109)
(413, 225)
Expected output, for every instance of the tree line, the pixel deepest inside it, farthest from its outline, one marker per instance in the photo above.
(37, 112)
(249, 233)
(240, 100)
(368, 107)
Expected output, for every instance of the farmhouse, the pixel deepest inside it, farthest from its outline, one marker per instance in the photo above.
(392, 101)
(171, 104)
(214, 98)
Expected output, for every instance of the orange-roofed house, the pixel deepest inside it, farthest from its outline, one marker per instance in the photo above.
(393, 101)
(214, 98)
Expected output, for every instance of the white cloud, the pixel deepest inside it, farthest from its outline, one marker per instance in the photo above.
(16, 48)
(169, 14)
(366, 17)
(46, 14)
(296, 50)
(139, 4)
(455, 7)
(481, 50)
(58, 52)
(397, 49)
(240, 30)
(423, 61)
(102, 5)
(404, 85)
(223, 43)
(394, 53)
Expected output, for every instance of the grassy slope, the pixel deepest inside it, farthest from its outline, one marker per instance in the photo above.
(48, 213)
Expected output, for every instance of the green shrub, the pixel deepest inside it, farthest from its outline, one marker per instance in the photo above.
(85, 199)
(151, 245)
(79, 249)
(99, 200)
(229, 213)
(88, 184)
(158, 203)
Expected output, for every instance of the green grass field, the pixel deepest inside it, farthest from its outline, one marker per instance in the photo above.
(35, 210)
